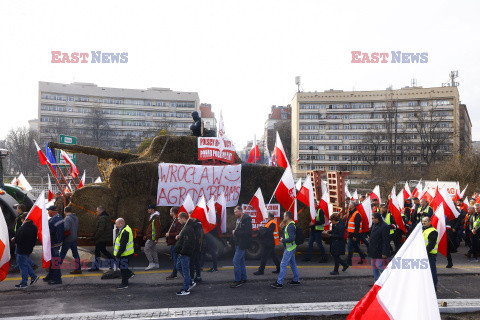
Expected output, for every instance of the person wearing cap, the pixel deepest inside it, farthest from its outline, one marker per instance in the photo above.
(70, 241)
(57, 232)
(152, 234)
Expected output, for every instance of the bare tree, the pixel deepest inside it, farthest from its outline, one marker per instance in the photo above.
(20, 143)
(98, 126)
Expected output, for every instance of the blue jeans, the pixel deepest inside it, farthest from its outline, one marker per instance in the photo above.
(174, 258)
(288, 259)
(460, 236)
(25, 268)
(54, 273)
(378, 265)
(316, 236)
(183, 266)
(73, 246)
(432, 259)
(354, 244)
(239, 264)
(17, 266)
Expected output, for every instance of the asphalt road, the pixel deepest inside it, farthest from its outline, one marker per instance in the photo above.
(150, 290)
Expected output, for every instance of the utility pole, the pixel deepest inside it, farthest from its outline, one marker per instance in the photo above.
(453, 75)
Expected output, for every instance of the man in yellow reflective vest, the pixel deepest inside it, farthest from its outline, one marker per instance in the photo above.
(288, 259)
(316, 229)
(269, 238)
(430, 235)
(123, 251)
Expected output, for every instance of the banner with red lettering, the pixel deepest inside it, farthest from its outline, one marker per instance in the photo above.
(216, 148)
(271, 208)
(175, 181)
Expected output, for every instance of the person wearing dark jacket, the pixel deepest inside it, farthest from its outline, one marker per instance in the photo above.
(25, 240)
(288, 259)
(379, 248)
(430, 235)
(354, 228)
(123, 250)
(57, 232)
(171, 235)
(242, 237)
(195, 260)
(22, 212)
(184, 248)
(457, 225)
(269, 238)
(70, 241)
(103, 234)
(316, 229)
(337, 243)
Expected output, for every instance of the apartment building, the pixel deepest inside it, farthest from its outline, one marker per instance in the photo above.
(115, 118)
(357, 130)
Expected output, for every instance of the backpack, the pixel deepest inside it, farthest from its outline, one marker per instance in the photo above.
(299, 236)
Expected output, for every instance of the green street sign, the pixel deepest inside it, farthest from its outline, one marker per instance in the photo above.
(67, 140)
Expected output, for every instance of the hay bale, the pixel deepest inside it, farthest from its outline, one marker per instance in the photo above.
(255, 176)
(134, 211)
(135, 178)
(89, 197)
(172, 149)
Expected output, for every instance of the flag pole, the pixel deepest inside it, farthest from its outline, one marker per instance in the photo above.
(73, 179)
(56, 179)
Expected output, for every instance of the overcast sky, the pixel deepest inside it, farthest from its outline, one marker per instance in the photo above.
(240, 56)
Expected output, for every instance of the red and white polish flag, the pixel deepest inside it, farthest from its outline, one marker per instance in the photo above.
(4, 247)
(407, 281)
(50, 189)
(407, 194)
(82, 181)
(438, 222)
(200, 213)
(187, 205)
(347, 192)
(258, 203)
(355, 195)
(375, 194)
(305, 195)
(38, 214)
(41, 155)
(211, 213)
(73, 169)
(463, 191)
(221, 208)
(286, 193)
(254, 155)
(365, 210)
(417, 192)
(442, 197)
(324, 202)
(279, 153)
(394, 208)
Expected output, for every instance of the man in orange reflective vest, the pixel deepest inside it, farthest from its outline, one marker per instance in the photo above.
(354, 227)
(269, 237)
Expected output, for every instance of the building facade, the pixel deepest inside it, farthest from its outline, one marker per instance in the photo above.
(114, 118)
(277, 114)
(208, 117)
(358, 130)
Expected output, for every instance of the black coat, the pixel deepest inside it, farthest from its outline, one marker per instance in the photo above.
(379, 240)
(185, 244)
(26, 238)
(243, 233)
(337, 245)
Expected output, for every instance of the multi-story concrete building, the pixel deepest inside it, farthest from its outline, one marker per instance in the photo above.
(357, 130)
(115, 118)
(277, 114)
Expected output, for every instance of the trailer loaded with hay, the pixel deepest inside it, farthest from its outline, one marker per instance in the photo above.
(130, 185)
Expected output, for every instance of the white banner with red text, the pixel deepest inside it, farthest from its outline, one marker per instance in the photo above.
(216, 149)
(175, 181)
(271, 208)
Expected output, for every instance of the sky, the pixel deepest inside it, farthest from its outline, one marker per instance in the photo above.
(240, 56)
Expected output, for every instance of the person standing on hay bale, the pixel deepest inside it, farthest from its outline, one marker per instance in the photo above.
(103, 233)
(171, 235)
(152, 234)
(197, 127)
(123, 251)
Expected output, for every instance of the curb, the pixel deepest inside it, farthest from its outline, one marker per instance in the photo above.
(246, 311)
